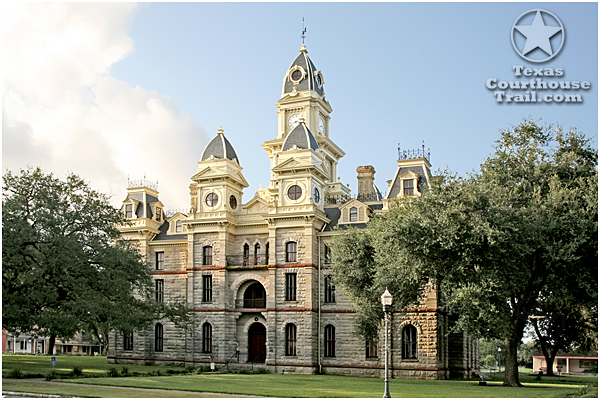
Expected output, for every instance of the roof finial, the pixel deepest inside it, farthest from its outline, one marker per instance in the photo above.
(303, 35)
(220, 131)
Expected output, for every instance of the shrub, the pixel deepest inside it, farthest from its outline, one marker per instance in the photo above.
(77, 371)
(157, 372)
(148, 363)
(15, 374)
(243, 371)
(125, 371)
(52, 375)
(261, 371)
(112, 373)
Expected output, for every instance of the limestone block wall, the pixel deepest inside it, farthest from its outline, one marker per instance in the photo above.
(207, 239)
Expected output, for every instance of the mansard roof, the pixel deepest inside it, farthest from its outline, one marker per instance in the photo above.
(310, 78)
(301, 137)
(219, 147)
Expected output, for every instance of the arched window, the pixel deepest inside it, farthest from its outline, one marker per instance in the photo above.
(291, 252)
(353, 214)
(254, 296)
(290, 340)
(158, 337)
(246, 254)
(256, 254)
(330, 341)
(207, 338)
(409, 342)
(207, 255)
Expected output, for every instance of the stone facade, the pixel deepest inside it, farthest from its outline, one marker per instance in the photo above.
(256, 274)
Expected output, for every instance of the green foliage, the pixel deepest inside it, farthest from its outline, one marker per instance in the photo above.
(15, 374)
(51, 376)
(495, 244)
(77, 371)
(64, 266)
(112, 372)
(124, 371)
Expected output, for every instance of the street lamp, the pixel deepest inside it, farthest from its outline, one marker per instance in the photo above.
(499, 358)
(386, 300)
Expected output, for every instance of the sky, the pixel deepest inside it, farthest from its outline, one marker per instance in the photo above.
(118, 91)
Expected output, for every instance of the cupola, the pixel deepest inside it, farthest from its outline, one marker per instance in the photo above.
(219, 147)
(300, 138)
(303, 75)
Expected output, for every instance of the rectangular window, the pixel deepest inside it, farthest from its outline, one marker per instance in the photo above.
(290, 340)
(178, 226)
(409, 188)
(372, 348)
(158, 214)
(207, 338)
(207, 255)
(160, 260)
(291, 251)
(158, 337)
(290, 287)
(329, 290)
(128, 210)
(128, 341)
(207, 288)
(160, 290)
(329, 341)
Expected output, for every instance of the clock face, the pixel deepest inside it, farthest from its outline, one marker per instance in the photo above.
(293, 120)
(321, 125)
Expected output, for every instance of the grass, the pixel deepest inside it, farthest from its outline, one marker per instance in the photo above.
(87, 391)
(276, 385)
(94, 366)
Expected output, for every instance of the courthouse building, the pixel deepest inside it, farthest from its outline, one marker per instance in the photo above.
(257, 275)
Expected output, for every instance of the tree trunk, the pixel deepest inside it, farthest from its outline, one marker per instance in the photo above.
(51, 342)
(511, 370)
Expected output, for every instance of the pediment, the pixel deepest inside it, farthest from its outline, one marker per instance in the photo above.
(409, 175)
(292, 163)
(256, 206)
(353, 203)
(208, 172)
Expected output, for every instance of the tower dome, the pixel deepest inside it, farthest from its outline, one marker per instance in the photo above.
(301, 137)
(303, 75)
(219, 147)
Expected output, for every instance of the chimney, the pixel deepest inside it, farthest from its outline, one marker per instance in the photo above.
(366, 179)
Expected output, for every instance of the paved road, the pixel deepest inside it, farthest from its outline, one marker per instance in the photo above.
(197, 394)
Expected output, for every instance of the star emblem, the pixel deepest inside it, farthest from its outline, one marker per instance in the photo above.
(538, 35)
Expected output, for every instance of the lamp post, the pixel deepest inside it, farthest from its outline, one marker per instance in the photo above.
(386, 300)
(499, 359)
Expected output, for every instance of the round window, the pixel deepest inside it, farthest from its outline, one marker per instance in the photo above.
(294, 192)
(232, 202)
(212, 199)
(316, 195)
(297, 75)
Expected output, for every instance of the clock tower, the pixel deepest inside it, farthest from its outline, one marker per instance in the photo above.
(303, 102)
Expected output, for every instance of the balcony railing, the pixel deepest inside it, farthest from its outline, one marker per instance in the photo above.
(242, 260)
(250, 303)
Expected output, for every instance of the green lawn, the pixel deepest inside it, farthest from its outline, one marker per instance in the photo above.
(91, 365)
(276, 385)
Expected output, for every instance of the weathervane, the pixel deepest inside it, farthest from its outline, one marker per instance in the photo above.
(303, 36)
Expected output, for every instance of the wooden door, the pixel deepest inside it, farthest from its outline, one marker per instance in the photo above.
(257, 343)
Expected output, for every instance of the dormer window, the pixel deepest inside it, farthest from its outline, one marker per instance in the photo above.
(178, 226)
(409, 187)
(158, 214)
(353, 214)
(128, 210)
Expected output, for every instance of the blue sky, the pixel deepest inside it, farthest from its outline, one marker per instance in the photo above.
(172, 73)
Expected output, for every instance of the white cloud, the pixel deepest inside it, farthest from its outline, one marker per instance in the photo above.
(64, 112)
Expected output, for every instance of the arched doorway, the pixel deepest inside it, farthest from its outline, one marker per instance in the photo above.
(257, 343)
